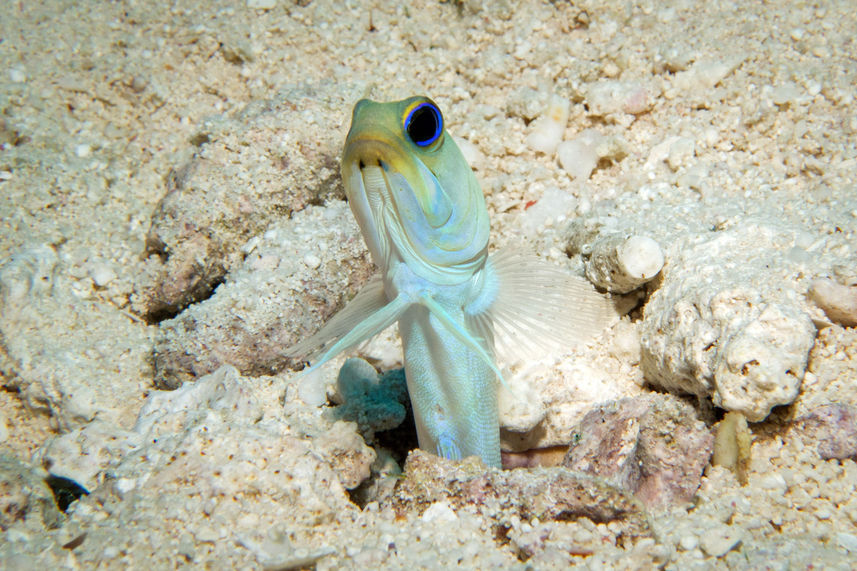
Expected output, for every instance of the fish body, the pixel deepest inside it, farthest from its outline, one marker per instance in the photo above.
(423, 216)
(453, 389)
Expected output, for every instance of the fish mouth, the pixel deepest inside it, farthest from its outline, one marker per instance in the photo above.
(409, 185)
(401, 206)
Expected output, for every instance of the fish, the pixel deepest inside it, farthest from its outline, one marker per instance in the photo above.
(423, 216)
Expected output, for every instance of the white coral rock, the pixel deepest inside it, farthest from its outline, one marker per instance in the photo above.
(621, 263)
(719, 326)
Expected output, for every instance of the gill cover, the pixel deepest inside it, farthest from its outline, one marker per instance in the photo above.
(412, 192)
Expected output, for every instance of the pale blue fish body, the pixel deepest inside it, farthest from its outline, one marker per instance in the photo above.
(453, 389)
(423, 216)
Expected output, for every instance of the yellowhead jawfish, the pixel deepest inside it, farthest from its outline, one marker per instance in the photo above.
(422, 214)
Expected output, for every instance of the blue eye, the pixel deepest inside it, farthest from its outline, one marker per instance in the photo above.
(424, 124)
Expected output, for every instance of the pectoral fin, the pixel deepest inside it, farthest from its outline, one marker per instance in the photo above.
(533, 306)
(365, 316)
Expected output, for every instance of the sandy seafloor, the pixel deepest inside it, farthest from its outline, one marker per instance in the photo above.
(721, 117)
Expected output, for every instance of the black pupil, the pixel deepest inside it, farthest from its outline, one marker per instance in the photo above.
(423, 127)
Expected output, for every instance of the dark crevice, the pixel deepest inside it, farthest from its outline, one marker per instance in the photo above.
(65, 491)
(164, 311)
(401, 440)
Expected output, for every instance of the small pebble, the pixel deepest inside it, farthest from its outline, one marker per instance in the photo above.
(312, 389)
(732, 445)
(139, 84)
(774, 482)
(641, 257)
(547, 131)
(124, 485)
(251, 245)
(17, 75)
(439, 513)
(839, 302)
(719, 541)
(312, 261)
(609, 97)
(688, 542)
(471, 153)
(101, 274)
(709, 74)
(785, 94)
(847, 540)
(694, 177)
(680, 152)
(660, 152)
(578, 158)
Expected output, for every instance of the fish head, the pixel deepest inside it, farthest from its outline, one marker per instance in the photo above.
(412, 191)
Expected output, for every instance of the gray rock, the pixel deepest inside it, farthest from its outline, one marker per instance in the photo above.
(250, 170)
(278, 295)
(549, 494)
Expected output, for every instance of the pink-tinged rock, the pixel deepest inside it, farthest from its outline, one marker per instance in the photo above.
(834, 428)
(653, 446)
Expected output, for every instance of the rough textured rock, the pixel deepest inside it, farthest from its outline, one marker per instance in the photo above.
(724, 329)
(25, 497)
(621, 263)
(831, 372)
(227, 465)
(833, 428)
(235, 422)
(213, 205)
(546, 401)
(654, 447)
(48, 347)
(346, 452)
(838, 301)
(549, 494)
(278, 295)
(87, 454)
